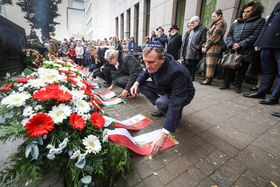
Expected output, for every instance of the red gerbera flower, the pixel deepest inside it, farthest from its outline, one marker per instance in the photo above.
(5, 88)
(63, 96)
(77, 121)
(43, 95)
(40, 124)
(23, 79)
(97, 120)
(52, 87)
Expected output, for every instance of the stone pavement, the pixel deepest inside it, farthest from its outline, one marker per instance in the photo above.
(225, 140)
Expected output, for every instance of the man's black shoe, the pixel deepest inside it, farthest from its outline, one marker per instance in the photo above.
(157, 114)
(254, 95)
(269, 101)
(276, 114)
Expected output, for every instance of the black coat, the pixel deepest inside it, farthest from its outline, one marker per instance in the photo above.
(130, 66)
(245, 32)
(270, 35)
(172, 79)
(174, 45)
(198, 38)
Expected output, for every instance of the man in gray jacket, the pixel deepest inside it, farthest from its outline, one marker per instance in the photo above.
(192, 44)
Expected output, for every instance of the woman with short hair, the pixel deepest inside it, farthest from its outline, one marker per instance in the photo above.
(241, 38)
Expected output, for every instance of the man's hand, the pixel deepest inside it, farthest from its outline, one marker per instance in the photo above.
(124, 93)
(203, 49)
(134, 90)
(158, 143)
(236, 46)
(111, 88)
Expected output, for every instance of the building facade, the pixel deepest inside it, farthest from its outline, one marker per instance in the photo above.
(125, 18)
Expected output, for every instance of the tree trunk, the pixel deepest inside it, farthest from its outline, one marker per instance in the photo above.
(45, 32)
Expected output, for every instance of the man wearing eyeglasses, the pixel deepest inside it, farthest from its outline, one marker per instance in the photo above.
(170, 90)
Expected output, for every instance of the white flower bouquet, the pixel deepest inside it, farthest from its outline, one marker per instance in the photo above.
(54, 112)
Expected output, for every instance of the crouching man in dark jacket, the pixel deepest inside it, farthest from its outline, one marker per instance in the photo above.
(128, 68)
(170, 90)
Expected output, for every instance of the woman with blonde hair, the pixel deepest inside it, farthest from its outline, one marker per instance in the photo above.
(212, 47)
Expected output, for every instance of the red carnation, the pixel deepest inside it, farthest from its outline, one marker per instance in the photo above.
(97, 120)
(77, 121)
(88, 92)
(5, 88)
(39, 125)
(23, 79)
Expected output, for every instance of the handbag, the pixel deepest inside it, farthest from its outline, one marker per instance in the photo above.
(232, 60)
(201, 66)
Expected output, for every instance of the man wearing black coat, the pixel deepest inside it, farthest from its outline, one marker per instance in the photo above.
(269, 44)
(174, 43)
(170, 90)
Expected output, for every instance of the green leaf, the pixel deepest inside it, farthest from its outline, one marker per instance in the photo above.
(28, 149)
(86, 179)
(35, 151)
(80, 164)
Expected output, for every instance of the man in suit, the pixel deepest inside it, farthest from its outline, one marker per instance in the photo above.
(161, 36)
(269, 44)
(170, 90)
(174, 43)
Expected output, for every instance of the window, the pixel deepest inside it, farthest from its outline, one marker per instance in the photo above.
(117, 26)
(122, 27)
(128, 23)
(147, 8)
(208, 7)
(180, 13)
(136, 21)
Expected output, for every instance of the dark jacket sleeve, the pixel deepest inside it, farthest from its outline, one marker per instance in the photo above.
(133, 69)
(143, 77)
(248, 42)
(229, 40)
(202, 40)
(177, 97)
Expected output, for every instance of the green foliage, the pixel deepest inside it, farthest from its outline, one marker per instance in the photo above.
(41, 14)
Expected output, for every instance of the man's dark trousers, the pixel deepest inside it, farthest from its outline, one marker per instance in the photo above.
(270, 68)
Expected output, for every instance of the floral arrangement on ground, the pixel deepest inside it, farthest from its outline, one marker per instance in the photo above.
(55, 114)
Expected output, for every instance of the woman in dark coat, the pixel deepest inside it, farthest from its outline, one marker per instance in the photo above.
(241, 38)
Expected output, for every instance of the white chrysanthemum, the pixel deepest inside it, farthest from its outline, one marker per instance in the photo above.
(60, 112)
(82, 106)
(15, 99)
(78, 94)
(28, 111)
(92, 144)
(64, 69)
(50, 75)
(36, 83)
(75, 154)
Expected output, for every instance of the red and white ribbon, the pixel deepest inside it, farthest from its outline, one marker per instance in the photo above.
(139, 144)
(136, 122)
(106, 95)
